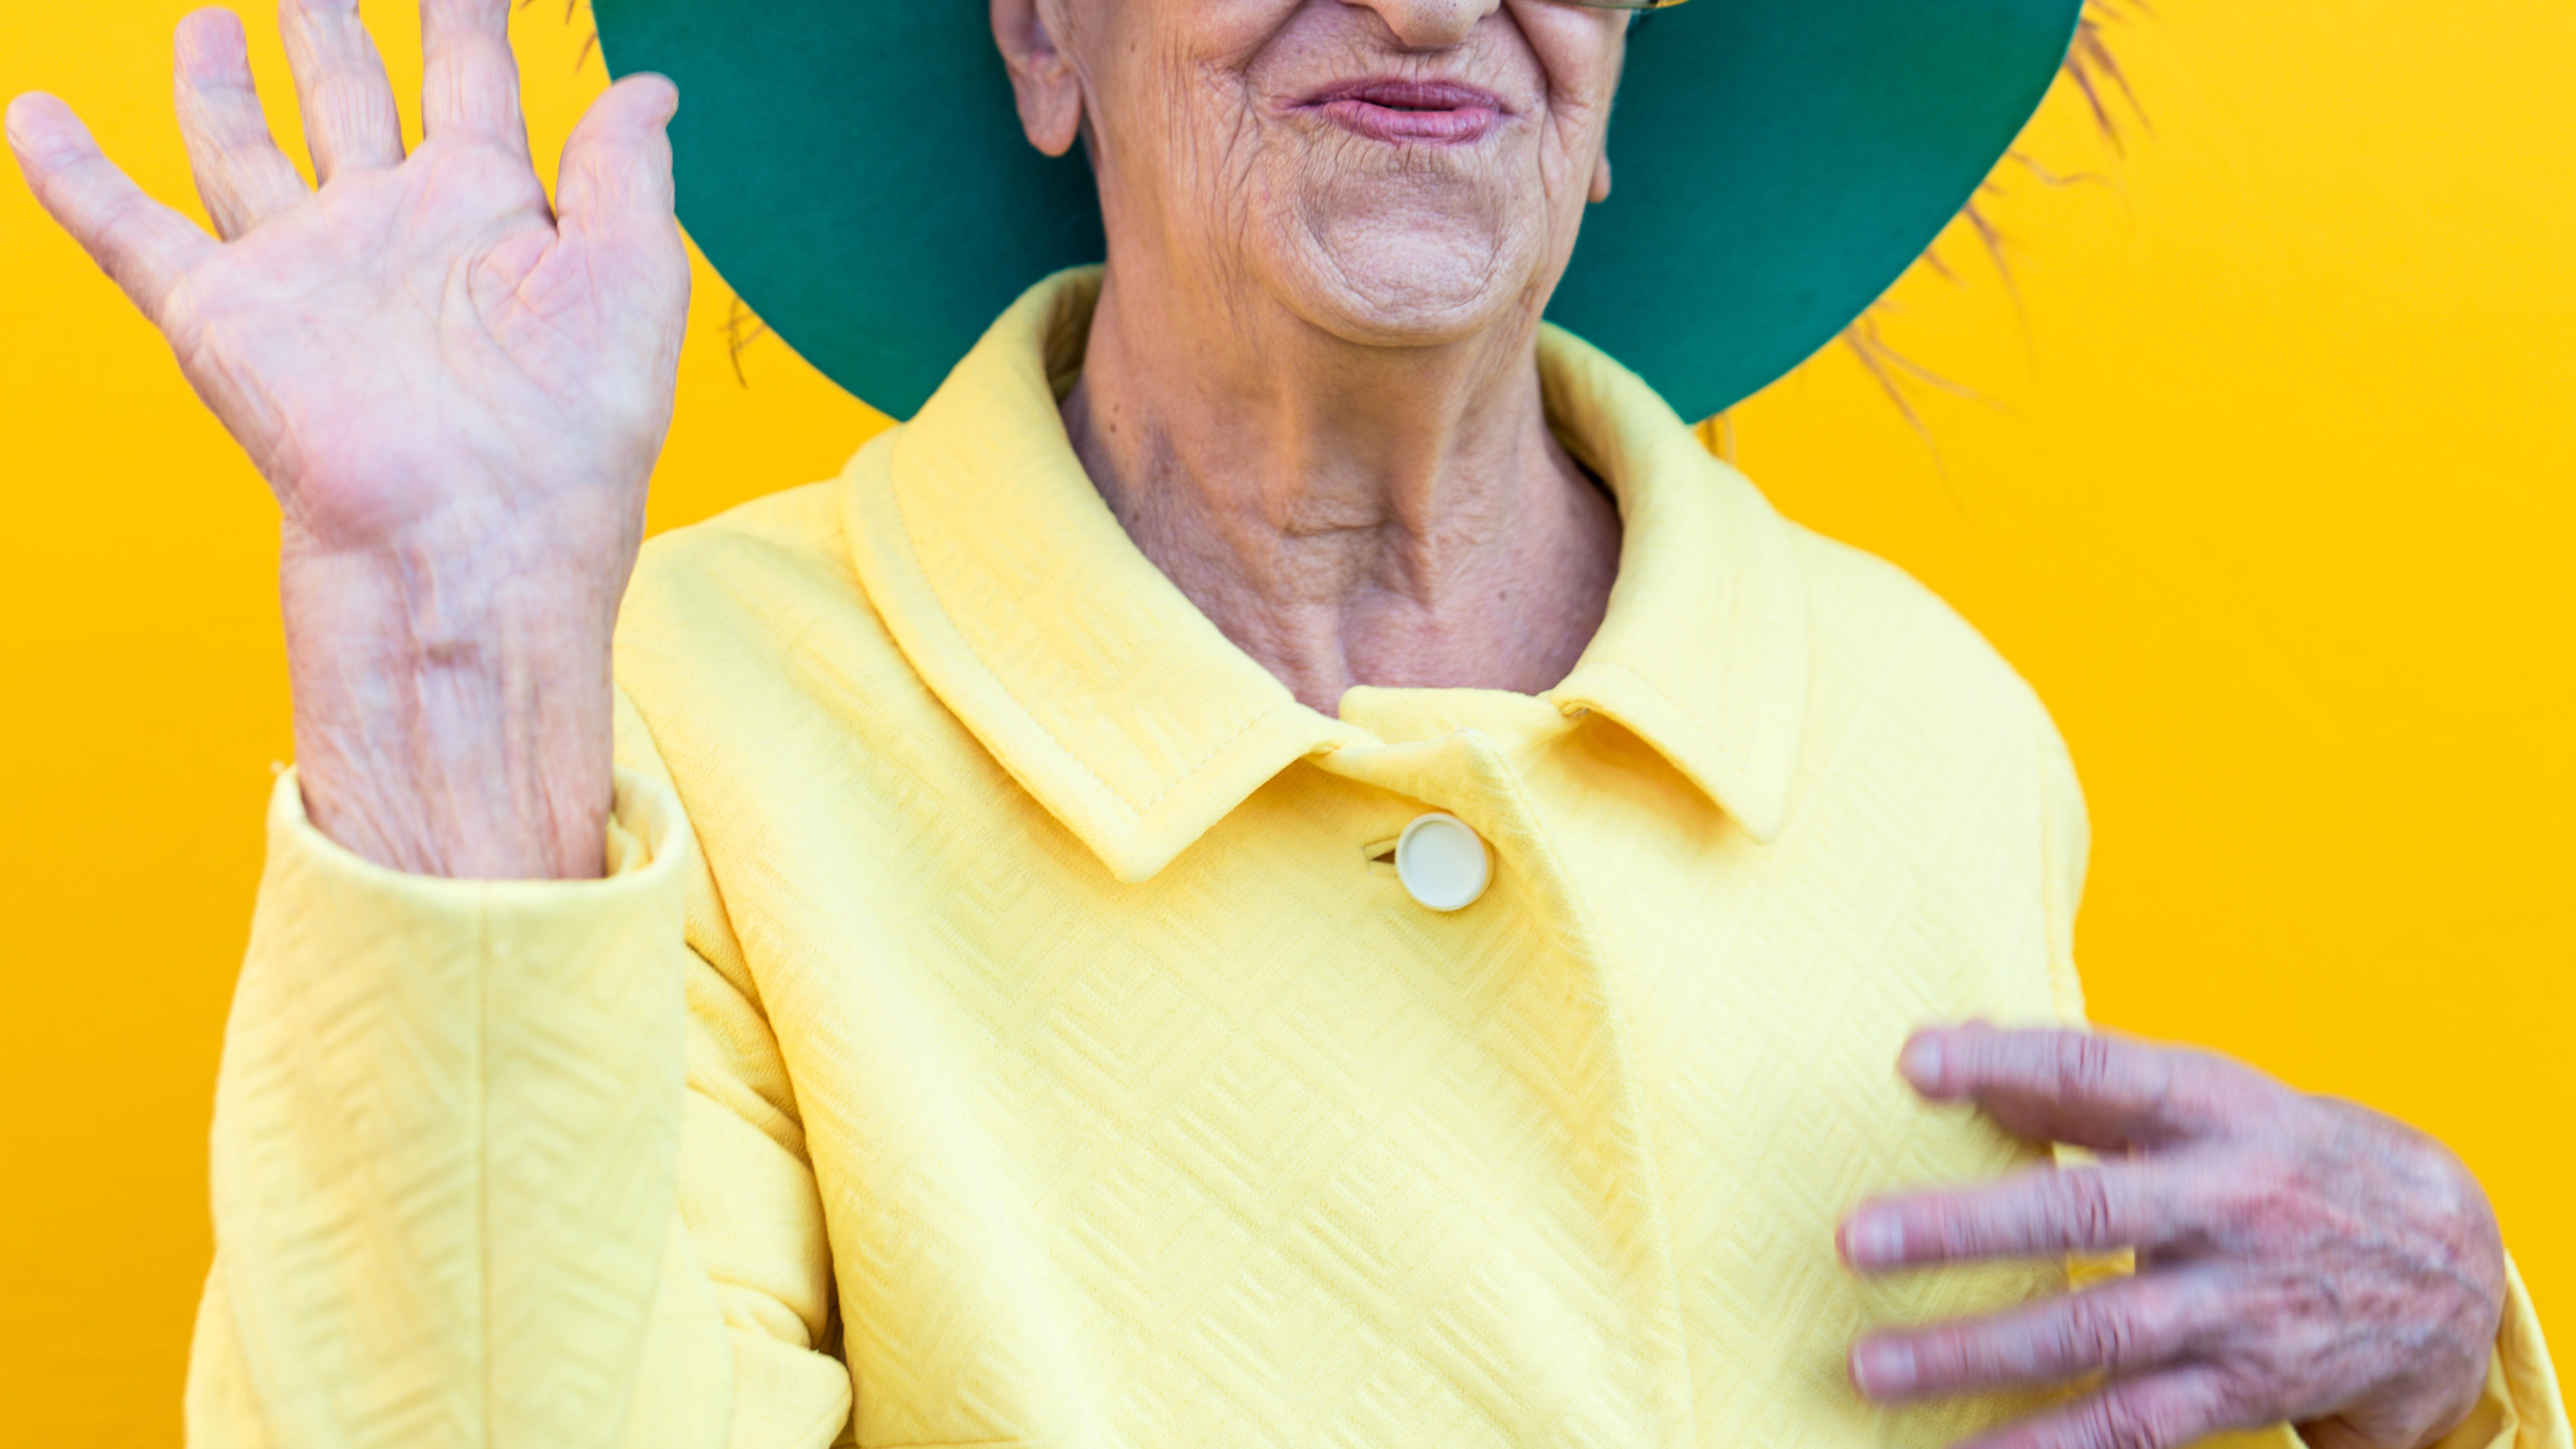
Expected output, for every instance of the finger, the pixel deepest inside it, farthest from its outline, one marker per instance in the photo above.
(616, 190)
(240, 172)
(2124, 1327)
(2163, 1410)
(350, 120)
(2044, 1212)
(145, 246)
(617, 162)
(470, 79)
(2081, 1087)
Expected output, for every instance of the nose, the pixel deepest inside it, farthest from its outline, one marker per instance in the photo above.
(1428, 24)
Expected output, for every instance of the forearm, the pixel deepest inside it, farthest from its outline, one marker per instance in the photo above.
(453, 708)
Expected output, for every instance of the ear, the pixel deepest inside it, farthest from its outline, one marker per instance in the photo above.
(1600, 171)
(1042, 76)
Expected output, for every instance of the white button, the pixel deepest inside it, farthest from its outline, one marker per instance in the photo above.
(1442, 862)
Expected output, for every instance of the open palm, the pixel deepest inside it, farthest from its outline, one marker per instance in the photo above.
(456, 391)
(422, 352)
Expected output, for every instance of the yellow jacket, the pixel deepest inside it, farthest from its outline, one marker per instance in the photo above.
(1034, 1048)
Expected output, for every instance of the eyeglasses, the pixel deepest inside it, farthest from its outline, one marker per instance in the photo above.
(1625, 4)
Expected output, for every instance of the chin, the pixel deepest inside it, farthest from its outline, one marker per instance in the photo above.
(1408, 282)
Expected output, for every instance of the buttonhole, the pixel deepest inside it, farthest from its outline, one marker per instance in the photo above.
(1380, 855)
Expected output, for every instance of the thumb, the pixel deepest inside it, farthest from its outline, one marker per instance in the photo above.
(615, 189)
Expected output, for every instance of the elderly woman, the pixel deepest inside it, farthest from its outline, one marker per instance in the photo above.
(1290, 861)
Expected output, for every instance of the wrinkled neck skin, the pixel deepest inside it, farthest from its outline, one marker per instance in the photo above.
(1347, 513)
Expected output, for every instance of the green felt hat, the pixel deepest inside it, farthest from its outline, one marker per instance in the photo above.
(1779, 162)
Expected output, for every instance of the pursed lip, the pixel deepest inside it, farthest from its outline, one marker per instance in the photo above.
(1422, 112)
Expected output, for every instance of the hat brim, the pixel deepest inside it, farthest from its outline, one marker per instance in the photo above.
(858, 175)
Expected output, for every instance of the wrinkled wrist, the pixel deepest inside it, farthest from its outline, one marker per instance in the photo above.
(452, 718)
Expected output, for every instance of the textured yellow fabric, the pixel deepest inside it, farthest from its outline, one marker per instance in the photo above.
(1031, 1048)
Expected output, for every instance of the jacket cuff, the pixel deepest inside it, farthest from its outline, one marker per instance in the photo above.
(2522, 1407)
(645, 827)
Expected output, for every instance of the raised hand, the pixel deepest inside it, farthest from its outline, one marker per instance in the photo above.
(455, 391)
(2300, 1259)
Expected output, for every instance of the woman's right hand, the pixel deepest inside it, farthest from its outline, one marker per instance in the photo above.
(455, 391)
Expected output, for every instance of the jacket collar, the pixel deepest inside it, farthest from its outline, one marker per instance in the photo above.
(1106, 693)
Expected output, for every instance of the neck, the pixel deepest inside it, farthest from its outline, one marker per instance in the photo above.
(1347, 514)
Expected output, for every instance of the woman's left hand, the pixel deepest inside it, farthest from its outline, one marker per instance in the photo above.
(2300, 1259)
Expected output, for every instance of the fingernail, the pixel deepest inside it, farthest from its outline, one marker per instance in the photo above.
(670, 89)
(1883, 1367)
(20, 119)
(1921, 1061)
(1874, 1240)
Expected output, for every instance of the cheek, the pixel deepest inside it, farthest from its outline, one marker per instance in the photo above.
(1174, 103)
(1580, 53)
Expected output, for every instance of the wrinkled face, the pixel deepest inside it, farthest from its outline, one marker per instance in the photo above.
(1395, 172)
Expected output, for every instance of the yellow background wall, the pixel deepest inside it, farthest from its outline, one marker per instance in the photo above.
(2268, 489)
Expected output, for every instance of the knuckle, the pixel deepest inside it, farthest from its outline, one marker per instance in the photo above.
(2265, 1198)
(2250, 1393)
(2083, 1204)
(2283, 1308)
(2086, 1063)
(2133, 1421)
(2251, 1196)
(1964, 1228)
(2108, 1423)
(2094, 1335)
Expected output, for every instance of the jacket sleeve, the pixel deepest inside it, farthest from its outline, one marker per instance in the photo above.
(2521, 1407)
(508, 1164)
